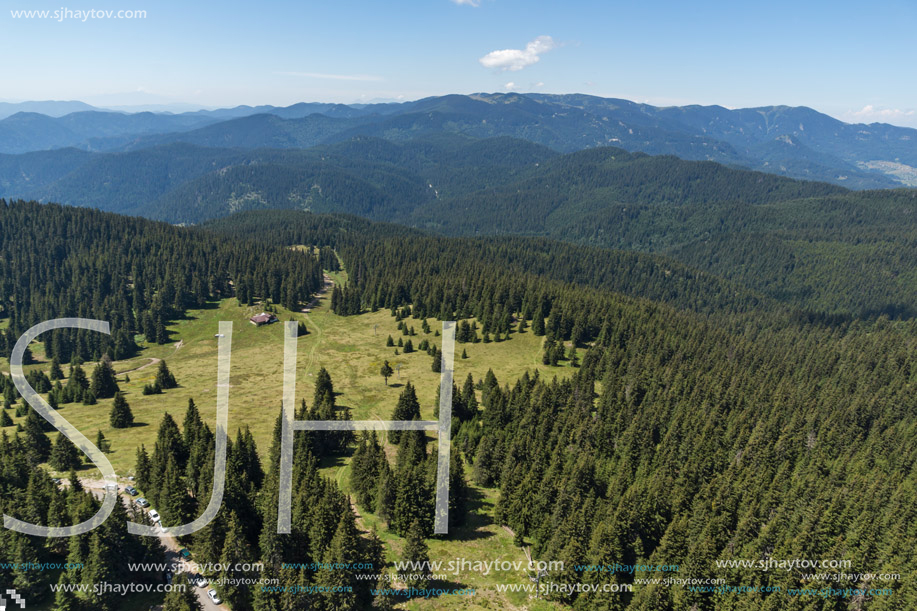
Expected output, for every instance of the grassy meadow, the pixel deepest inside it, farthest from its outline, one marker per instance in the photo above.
(353, 350)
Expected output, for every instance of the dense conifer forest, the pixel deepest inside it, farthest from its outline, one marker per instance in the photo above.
(702, 421)
(138, 275)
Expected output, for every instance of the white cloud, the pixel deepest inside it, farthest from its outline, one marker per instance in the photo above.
(539, 84)
(517, 59)
(334, 77)
(870, 112)
(509, 86)
(468, 2)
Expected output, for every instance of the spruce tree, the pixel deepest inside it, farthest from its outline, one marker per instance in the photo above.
(408, 408)
(182, 599)
(174, 503)
(65, 599)
(64, 456)
(37, 444)
(5, 419)
(324, 389)
(340, 584)
(76, 486)
(121, 416)
(236, 551)
(56, 372)
(104, 385)
(101, 443)
(437, 364)
(416, 552)
(142, 468)
(164, 377)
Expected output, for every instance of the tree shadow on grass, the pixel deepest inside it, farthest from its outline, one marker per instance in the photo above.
(476, 520)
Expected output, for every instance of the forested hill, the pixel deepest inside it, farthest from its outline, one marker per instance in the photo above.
(137, 274)
(423, 181)
(679, 439)
(811, 245)
(676, 435)
(386, 259)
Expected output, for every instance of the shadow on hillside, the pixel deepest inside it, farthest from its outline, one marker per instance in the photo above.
(476, 520)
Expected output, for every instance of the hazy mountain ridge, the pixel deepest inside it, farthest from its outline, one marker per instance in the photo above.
(792, 141)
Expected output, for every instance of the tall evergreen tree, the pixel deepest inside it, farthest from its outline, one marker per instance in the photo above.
(164, 377)
(183, 597)
(65, 456)
(121, 416)
(37, 444)
(104, 385)
(417, 552)
(408, 408)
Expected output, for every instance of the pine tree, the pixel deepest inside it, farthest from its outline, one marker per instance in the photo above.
(236, 551)
(340, 584)
(101, 443)
(458, 491)
(5, 419)
(76, 486)
(142, 468)
(77, 383)
(65, 599)
(98, 569)
(164, 377)
(174, 503)
(408, 408)
(538, 327)
(104, 385)
(121, 416)
(416, 552)
(324, 388)
(56, 372)
(64, 456)
(181, 599)
(37, 444)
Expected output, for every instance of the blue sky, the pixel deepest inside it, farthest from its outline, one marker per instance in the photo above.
(850, 60)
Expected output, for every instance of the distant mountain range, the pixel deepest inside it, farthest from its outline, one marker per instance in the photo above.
(796, 142)
(447, 182)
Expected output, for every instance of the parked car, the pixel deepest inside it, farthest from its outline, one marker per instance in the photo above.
(185, 553)
(142, 502)
(201, 581)
(154, 515)
(131, 491)
(213, 597)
